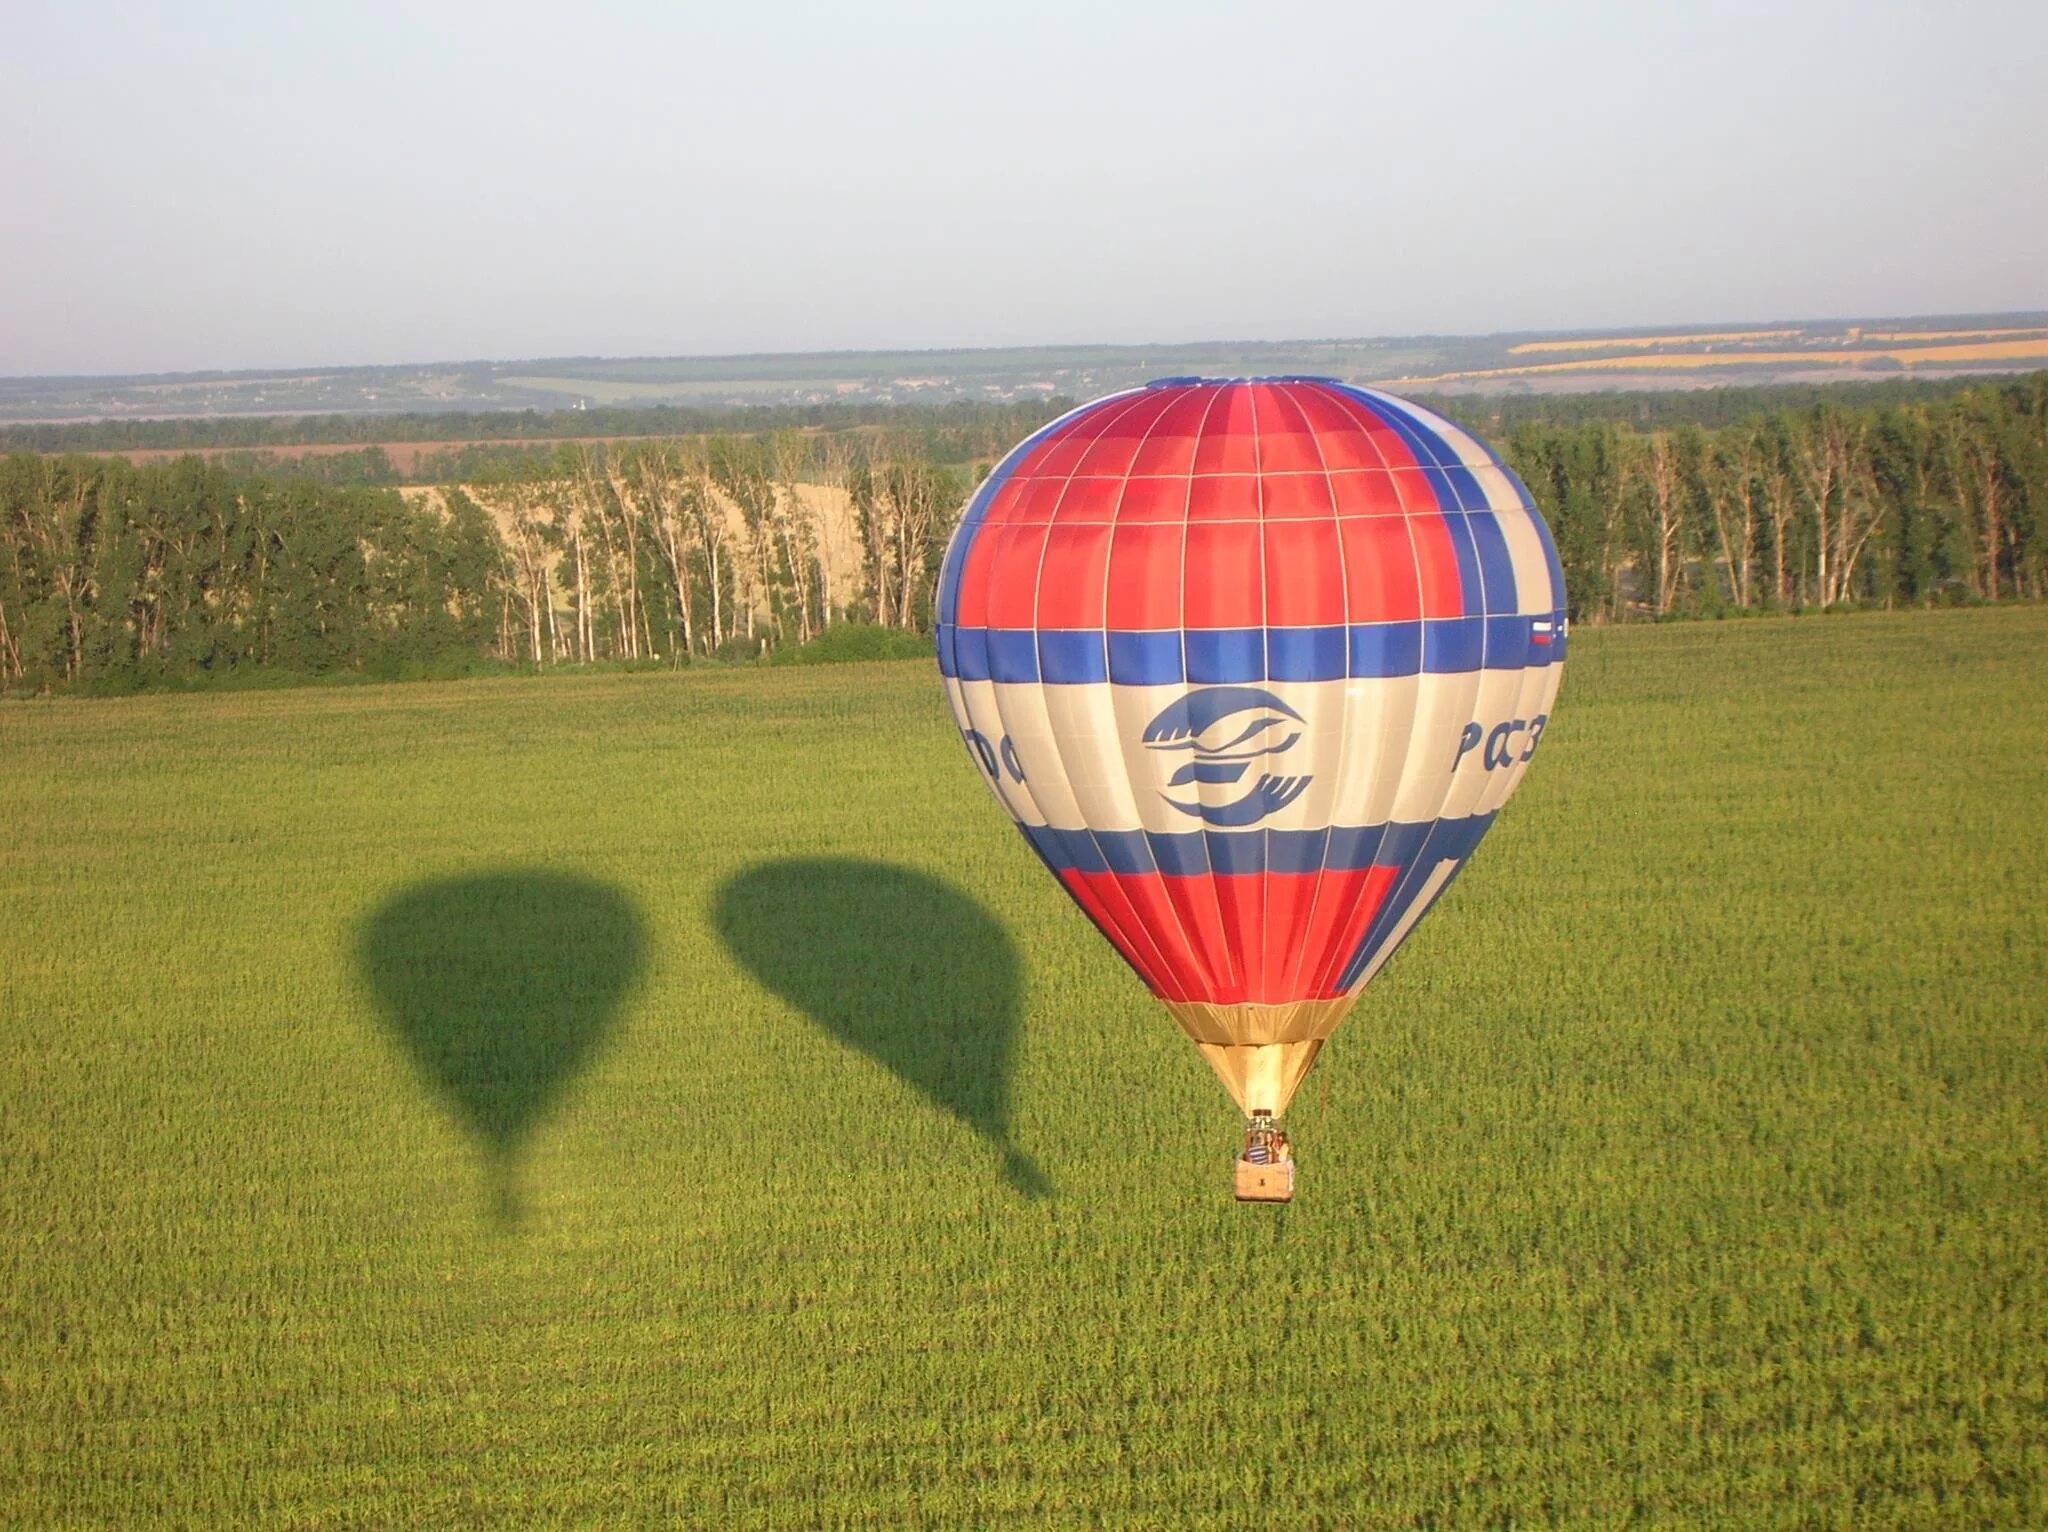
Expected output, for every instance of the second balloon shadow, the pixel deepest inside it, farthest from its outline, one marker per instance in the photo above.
(898, 965)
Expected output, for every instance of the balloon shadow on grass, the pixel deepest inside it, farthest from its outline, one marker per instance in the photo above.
(898, 965)
(501, 986)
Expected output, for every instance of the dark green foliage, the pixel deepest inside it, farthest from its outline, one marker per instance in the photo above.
(664, 551)
(116, 577)
(845, 642)
(1823, 506)
(1493, 415)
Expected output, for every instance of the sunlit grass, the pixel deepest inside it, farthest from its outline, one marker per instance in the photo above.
(1687, 1167)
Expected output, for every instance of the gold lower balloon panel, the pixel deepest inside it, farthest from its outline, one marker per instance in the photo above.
(1261, 1053)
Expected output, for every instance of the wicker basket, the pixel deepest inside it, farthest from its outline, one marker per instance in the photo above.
(1265, 1183)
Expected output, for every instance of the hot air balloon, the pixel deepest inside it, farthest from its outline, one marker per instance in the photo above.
(1252, 664)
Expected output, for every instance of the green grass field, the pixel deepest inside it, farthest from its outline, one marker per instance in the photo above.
(624, 1098)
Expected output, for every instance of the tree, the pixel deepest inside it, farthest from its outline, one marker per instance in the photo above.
(1732, 466)
(1983, 474)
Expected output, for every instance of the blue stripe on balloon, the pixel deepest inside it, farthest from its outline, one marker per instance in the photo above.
(1220, 655)
(1065, 850)
(1453, 644)
(1511, 645)
(1234, 856)
(1012, 654)
(1236, 656)
(1528, 500)
(1465, 484)
(1070, 658)
(1447, 499)
(1176, 856)
(1352, 847)
(1398, 847)
(1145, 659)
(1447, 840)
(1471, 581)
(1303, 654)
(1199, 853)
(1383, 649)
(966, 649)
(1424, 445)
(1496, 564)
(1457, 493)
(1390, 914)
(1424, 440)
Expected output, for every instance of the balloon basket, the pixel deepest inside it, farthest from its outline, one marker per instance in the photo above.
(1265, 1170)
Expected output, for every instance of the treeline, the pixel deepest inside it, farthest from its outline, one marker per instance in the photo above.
(360, 466)
(1497, 416)
(721, 546)
(742, 547)
(1788, 509)
(960, 431)
(115, 576)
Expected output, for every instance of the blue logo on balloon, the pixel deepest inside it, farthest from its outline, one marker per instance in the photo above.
(1224, 729)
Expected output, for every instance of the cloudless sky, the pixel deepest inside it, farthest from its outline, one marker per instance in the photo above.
(219, 185)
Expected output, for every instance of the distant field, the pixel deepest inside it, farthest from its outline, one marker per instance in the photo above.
(406, 457)
(1468, 363)
(637, 1098)
(2007, 351)
(1750, 337)
(1948, 334)
(613, 391)
(1634, 342)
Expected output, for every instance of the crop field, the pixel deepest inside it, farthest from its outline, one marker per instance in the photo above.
(1920, 335)
(625, 1098)
(625, 391)
(1628, 342)
(2010, 335)
(1960, 354)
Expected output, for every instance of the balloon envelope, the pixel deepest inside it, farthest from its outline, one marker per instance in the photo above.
(1253, 665)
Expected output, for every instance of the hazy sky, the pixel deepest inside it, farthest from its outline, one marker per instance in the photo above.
(204, 185)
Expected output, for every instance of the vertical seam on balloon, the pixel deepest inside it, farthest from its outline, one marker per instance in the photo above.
(1326, 969)
(1194, 948)
(1432, 439)
(1233, 978)
(1371, 967)
(1038, 575)
(1423, 865)
(1130, 399)
(1340, 960)
(1030, 794)
(1536, 679)
(1133, 931)
(1251, 394)
(1385, 412)
(1131, 402)
(970, 528)
(1006, 467)
(1344, 710)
